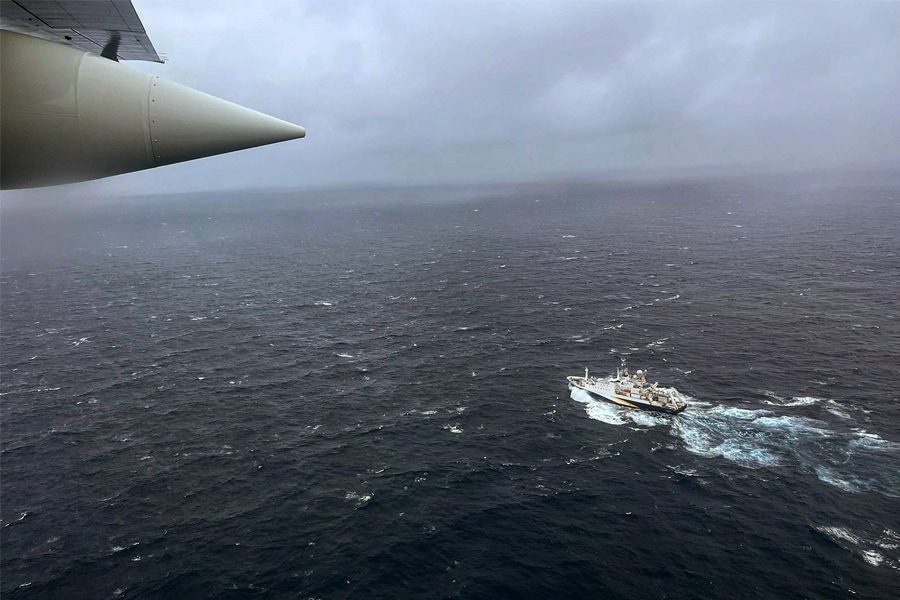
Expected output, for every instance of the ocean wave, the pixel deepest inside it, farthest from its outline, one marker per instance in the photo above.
(830, 477)
(802, 401)
(165, 449)
(878, 550)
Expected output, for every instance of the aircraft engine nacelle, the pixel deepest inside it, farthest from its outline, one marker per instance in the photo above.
(68, 115)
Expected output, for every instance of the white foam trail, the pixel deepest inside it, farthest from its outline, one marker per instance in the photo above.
(791, 424)
(759, 438)
(734, 412)
(605, 412)
(717, 438)
(751, 438)
(646, 419)
(599, 411)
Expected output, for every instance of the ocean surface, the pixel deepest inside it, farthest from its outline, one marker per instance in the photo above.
(361, 393)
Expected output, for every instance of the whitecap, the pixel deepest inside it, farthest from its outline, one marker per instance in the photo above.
(360, 499)
(838, 413)
(681, 470)
(802, 401)
(872, 557)
(828, 476)
(863, 433)
(872, 441)
(21, 518)
(871, 551)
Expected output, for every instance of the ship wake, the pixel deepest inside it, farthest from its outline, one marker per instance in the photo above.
(766, 438)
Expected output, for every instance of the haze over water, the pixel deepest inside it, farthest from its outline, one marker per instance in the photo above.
(361, 393)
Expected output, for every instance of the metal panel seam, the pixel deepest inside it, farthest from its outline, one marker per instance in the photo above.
(151, 119)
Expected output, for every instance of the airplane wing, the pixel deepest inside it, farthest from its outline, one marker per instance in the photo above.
(70, 111)
(84, 25)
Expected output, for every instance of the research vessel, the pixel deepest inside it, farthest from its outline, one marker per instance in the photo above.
(630, 390)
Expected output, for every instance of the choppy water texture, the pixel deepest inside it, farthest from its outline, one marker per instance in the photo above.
(361, 394)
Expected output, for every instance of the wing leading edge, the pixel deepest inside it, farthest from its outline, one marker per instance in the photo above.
(84, 25)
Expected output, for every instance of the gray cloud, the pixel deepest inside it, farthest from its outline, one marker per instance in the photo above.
(457, 91)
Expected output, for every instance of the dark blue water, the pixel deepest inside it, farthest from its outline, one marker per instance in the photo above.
(361, 393)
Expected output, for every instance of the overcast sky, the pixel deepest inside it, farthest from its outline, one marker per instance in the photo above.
(431, 91)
